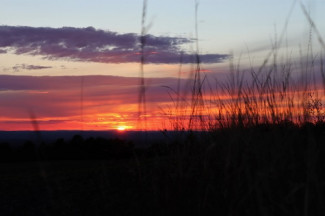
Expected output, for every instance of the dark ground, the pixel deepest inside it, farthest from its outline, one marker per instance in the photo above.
(262, 170)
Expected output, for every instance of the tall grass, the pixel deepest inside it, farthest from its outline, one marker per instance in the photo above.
(281, 89)
(142, 106)
(273, 95)
(260, 145)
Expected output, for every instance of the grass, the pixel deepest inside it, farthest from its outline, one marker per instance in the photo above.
(261, 143)
(283, 88)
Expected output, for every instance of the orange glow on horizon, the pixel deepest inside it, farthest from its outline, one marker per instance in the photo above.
(59, 107)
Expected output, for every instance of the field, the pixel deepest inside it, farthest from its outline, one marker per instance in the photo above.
(262, 170)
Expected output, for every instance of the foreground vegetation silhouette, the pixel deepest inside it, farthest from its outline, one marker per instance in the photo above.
(261, 170)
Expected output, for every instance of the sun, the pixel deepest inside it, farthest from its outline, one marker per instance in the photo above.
(121, 128)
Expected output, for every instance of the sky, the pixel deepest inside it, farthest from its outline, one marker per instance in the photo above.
(46, 47)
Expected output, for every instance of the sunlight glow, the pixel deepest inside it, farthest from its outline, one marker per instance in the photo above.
(121, 128)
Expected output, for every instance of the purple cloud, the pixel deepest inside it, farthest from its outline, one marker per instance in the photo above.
(89, 44)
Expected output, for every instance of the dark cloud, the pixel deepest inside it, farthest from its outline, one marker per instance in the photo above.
(89, 44)
(35, 67)
(46, 83)
(19, 67)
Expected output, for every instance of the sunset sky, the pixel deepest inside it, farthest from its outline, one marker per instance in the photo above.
(47, 46)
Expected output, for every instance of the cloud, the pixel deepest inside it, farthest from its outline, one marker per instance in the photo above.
(89, 44)
(2, 51)
(35, 67)
(19, 67)
(53, 97)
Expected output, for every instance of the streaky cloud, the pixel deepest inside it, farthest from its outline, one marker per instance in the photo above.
(95, 45)
(59, 96)
(19, 67)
